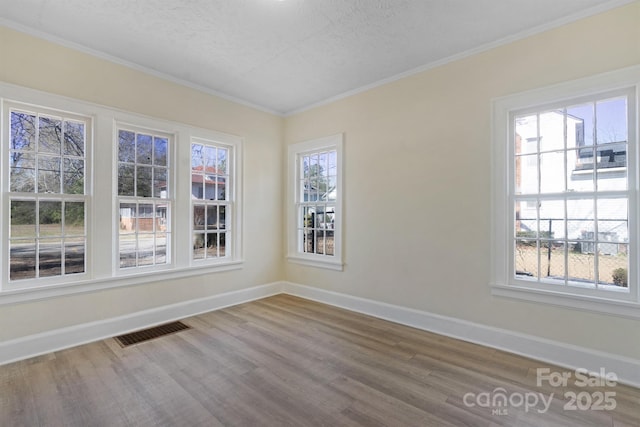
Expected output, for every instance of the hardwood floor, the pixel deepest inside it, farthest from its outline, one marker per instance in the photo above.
(286, 361)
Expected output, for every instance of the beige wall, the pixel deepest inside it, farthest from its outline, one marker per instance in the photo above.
(417, 179)
(417, 156)
(37, 64)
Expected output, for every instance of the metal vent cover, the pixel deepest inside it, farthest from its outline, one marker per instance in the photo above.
(150, 333)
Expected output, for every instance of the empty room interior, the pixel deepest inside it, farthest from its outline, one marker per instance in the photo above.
(293, 212)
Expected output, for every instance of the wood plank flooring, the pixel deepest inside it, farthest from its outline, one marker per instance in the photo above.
(286, 361)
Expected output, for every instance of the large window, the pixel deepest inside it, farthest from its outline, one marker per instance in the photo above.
(96, 197)
(46, 192)
(316, 184)
(144, 202)
(211, 199)
(570, 225)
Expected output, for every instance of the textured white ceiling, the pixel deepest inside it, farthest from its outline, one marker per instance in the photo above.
(289, 54)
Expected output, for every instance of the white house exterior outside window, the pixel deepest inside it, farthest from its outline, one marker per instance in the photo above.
(315, 208)
(565, 195)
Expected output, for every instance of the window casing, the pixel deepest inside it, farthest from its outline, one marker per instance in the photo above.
(565, 195)
(315, 214)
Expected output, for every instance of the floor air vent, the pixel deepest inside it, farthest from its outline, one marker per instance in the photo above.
(151, 333)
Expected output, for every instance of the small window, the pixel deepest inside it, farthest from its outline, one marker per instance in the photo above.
(316, 206)
(211, 200)
(144, 198)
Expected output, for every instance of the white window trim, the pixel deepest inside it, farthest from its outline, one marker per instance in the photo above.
(335, 262)
(626, 304)
(101, 271)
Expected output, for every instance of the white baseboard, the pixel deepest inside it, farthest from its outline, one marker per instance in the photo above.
(573, 357)
(59, 339)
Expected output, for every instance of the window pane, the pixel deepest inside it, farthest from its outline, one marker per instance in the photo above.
(612, 167)
(580, 219)
(613, 220)
(320, 241)
(160, 151)
(613, 264)
(128, 215)
(146, 246)
(199, 217)
(611, 119)
(581, 267)
(579, 174)
(50, 135)
(526, 214)
(221, 164)
(552, 172)
(580, 125)
(212, 245)
(222, 244)
(212, 217)
(526, 175)
(73, 181)
(161, 248)
(552, 131)
(23, 218)
(552, 255)
(126, 180)
(197, 186)
(143, 181)
(160, 183)
(23, 172)
(23, 131)
(74, 139)
(551, 219)
(48, 174)
(222, 219)
(526, 137)
(144, 148)
(50, 219)
(74, 250)
(22, 259)
(128, 250)
(146, 218)
(74, 218)
(526, 259)
(198, 245)
(126, 146)
(50, 257)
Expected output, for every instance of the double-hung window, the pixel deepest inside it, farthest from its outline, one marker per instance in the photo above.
(45, 194)
(144, 197)
(315, 225)
(565, 188)
(211, 200)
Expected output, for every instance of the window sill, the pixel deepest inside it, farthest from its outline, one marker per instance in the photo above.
(613, 307)
(315, 262)
(14, 296)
